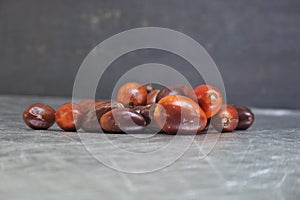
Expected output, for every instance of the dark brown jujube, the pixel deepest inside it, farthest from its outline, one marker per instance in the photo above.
(148, 113)
(151, 97)
(68, 116)
(122, 120)
(209, 98)
(144, 109)
(90, 121)
(246, 117)
(132, 94)
(39, 116)
(179, 114)
(226, 119)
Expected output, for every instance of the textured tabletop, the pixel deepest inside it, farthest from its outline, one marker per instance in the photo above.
(261, 163)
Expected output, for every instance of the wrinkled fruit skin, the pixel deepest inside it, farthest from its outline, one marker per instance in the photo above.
(179, 114)
(132, 94)
(151, 97)
(122, 120)
(68, 116)
(176, 90)
(209, 99)
(246, 117)
(90, 121)
(39, 116)
(226, 120)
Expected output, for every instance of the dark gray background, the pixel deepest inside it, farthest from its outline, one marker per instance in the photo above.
(255, 44)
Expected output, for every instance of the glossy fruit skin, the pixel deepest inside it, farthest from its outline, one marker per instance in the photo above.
(68, 116)
(246, 117)
(151, 97)
(226, 120)
(140, 109)
(132, 94)
(179, 114)
(90, 120)
(148, 113)
(209, 99)
(122, 120)
(176, 90)
(149, 87)
(39, 116)
(145, 112)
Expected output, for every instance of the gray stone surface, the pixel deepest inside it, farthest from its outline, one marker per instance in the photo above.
(261, 163)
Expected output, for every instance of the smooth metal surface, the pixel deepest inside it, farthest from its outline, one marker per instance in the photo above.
(261, 163)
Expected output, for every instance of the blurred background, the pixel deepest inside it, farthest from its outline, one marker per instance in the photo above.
(255, 44)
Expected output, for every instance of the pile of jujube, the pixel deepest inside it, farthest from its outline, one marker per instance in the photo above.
(144, 109)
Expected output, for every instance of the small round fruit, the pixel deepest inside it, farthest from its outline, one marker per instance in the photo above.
(68, 116)
(246, 117)
(122, 120)
(39, 116)
(179, 114)
(226, 120)
(132, 94)
(209, 99)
